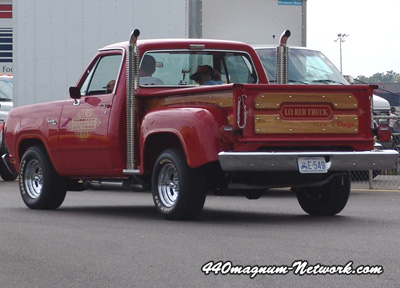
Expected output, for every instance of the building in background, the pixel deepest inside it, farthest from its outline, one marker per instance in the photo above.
(6, 37)
(54, 40)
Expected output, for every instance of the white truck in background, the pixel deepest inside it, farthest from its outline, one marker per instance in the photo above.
(308, 66)
(6, 95)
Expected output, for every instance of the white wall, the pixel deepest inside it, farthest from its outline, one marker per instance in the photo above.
(54, 40)
(252, 21)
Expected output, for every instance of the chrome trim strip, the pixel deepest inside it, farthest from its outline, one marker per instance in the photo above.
(131, 171)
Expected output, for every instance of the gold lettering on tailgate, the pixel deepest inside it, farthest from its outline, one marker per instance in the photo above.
(305, 112)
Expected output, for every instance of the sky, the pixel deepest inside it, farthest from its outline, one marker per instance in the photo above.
(373, 26)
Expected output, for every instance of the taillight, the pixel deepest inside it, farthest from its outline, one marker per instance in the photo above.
(384, 133)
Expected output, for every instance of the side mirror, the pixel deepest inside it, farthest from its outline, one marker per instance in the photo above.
(75, 93)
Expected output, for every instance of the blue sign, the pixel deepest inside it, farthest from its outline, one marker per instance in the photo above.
(290, 2)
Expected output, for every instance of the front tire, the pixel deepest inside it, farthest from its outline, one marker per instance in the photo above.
(328, 199)
(39, 184)
(179, 192)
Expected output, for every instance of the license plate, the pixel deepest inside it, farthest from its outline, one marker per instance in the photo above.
(312, 165)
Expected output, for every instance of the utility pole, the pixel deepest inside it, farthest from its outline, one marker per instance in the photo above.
(341, 38)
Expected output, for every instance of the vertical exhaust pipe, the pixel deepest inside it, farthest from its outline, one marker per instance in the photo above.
(282, 59)
(132, 83)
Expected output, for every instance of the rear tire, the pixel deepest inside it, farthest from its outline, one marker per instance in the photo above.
(39, 184)
(179, 192)
(329, 199)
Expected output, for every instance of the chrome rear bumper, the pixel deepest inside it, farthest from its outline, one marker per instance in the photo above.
(287, 161)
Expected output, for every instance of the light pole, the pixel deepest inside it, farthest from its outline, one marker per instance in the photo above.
(341, 39)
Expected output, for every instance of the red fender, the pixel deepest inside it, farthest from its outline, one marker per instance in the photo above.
(197, 128)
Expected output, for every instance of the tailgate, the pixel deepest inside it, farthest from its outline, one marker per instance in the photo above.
(303, 117)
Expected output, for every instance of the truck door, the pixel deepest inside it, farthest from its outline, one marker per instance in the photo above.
(84, 123)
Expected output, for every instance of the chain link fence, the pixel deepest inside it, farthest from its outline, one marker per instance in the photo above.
(382, 179)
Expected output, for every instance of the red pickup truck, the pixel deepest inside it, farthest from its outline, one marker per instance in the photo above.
(138, 115)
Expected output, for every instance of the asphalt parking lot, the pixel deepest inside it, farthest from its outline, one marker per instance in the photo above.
(117, 239)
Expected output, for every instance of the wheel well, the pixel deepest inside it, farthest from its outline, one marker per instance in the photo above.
(154, 145)
(26, 144)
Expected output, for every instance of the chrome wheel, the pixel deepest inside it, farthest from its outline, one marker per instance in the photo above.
(39, 183)
(168, 185)
(34, 179)
(178, 190)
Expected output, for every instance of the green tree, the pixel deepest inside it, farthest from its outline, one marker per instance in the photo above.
(388, 77)
(363, 78)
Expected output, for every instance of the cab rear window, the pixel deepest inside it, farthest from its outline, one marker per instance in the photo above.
(176, 67)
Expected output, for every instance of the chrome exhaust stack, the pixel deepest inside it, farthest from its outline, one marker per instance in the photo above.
(282, 59)
(132, 83)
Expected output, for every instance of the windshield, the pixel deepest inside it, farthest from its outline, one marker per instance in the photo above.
(305, 67)
(6, 90)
